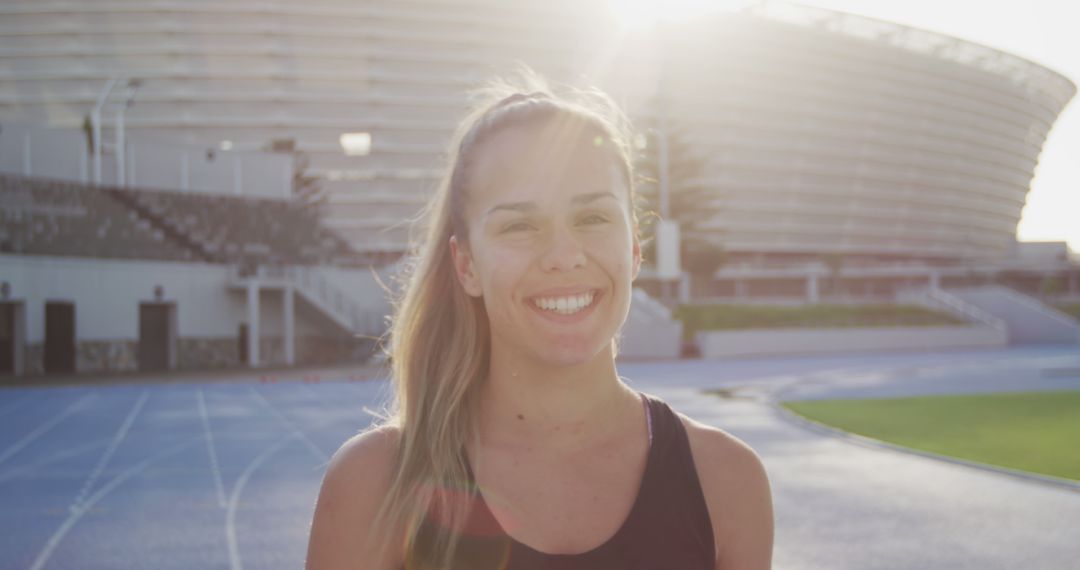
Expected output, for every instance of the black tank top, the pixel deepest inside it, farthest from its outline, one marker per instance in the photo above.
(668, 525)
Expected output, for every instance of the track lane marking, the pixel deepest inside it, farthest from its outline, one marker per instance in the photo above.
(235, 560)
(109, 451)
(76, 514)
(30, 437)
(58, 456)
(315, 450)
(215, 468)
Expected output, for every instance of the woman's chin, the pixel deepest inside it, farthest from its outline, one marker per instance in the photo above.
(574, 354)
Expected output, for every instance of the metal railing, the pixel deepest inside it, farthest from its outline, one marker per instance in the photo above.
(936, 298)
(317, 288)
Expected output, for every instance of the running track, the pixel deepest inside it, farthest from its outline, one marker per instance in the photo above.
(214, 474)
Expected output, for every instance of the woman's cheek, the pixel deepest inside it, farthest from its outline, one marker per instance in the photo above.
(506, 263)
(616, 247)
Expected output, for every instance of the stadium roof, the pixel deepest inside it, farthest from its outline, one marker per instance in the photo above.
(1021, 71)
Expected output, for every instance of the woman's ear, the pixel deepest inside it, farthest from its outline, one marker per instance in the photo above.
(464, 268)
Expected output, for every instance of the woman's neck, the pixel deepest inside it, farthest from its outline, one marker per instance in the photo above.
(554, 408)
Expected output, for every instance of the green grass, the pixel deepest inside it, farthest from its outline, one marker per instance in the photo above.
(1071, 309)
(1030, 431)
(740, 317)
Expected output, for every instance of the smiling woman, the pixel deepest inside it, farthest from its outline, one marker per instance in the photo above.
(514, 444)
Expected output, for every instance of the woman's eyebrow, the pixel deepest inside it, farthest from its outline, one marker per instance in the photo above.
(591, 196)
(531, 206)
(513, 207)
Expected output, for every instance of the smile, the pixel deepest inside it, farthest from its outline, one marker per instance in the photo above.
(565, 305)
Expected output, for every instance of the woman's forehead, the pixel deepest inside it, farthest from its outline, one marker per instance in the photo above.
(533, 162)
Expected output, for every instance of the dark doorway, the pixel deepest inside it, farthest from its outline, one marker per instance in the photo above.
(59, 337)
(7, 338)
(154, 337)
(243, 340)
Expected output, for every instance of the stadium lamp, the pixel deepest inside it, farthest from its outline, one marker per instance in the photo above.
(356, 144)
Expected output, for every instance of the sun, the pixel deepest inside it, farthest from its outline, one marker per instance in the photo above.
(639, 14)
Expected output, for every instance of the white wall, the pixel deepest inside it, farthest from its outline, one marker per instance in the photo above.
(107, 294)
(763, 342)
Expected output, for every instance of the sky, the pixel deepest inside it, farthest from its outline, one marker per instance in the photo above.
(1042, 31)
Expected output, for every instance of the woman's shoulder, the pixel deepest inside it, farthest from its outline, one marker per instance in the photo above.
(363, 464)
(737, 494)
(357, 478)
(715, 448)
(374, 446)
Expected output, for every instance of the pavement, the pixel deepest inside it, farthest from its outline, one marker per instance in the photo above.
(206, 473)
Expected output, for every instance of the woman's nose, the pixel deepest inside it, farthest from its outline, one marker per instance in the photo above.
(563, 251)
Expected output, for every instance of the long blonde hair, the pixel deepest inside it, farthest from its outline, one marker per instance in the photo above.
(439, 336)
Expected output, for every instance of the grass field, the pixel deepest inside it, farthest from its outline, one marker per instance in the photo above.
(1030, 431)
(1071, 309)
(741, 317)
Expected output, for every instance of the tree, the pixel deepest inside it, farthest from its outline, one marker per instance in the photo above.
(690, 202)
(307, 188)
(1050, 287)
(88, 130)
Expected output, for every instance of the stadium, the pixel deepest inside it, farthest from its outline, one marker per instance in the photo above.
(207, 184)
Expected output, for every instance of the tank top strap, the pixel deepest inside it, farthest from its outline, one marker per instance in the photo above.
(673, 509)
(648, 416)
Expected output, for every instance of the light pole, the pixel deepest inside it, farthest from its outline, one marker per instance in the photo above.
(95, 124)
(121, 148)
(668, 264)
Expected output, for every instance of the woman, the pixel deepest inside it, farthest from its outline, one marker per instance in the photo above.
(514, 443)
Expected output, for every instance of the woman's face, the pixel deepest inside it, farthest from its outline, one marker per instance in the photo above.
(551, 246)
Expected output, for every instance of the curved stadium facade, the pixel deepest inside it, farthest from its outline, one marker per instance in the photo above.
(821, 133)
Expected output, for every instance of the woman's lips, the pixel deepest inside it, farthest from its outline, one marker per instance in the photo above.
(563, 317)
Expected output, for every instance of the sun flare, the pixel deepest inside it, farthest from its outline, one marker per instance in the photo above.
(635, 14)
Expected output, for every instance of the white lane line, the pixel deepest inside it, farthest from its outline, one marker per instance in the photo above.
(113, 445)
(320, 454)
(234, 501)
(214, 467)
(234, 497)
(77, 514)
(30, 437)
(28, 470)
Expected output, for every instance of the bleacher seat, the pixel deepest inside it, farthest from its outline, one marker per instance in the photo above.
(47, 217)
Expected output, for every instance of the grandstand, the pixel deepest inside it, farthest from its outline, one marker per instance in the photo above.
(845, 159)
(822, 133)
(42, 217)
(229, 229)
(49, 217)
(105, 279)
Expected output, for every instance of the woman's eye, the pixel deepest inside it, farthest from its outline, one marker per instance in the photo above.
(517, 227)
(594, 219)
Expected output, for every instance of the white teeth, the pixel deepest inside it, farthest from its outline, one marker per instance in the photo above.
(565, 305)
